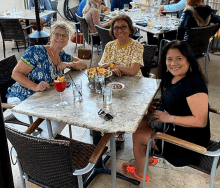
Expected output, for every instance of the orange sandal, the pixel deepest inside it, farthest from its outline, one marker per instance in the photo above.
(132, 169)
(154, 161)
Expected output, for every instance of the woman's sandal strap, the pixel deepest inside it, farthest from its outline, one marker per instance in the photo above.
(132, 169)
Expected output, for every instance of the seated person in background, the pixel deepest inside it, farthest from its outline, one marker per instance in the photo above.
(195, 15)
(40, 65)
(91, 13)
(83, 4)
(45, 19)
(173, 6)
(186, 113)
(119, 4)
(124, 52)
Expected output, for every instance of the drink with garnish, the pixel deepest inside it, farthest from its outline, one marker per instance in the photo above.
(60, 86)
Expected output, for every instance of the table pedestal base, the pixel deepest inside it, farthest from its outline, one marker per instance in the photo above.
(100, 166)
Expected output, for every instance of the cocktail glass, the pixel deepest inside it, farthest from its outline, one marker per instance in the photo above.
(60, 86)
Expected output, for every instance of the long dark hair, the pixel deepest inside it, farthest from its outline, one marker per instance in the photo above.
(185, 49)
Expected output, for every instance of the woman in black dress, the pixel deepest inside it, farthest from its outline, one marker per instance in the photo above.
(185, 103)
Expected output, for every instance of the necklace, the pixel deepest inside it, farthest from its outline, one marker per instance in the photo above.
(58, 60)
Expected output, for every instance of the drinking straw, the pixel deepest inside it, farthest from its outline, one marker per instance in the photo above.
(75, 85)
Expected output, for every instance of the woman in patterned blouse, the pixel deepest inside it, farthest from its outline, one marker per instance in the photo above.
(91, 13)
(125, 53)
(39, 66)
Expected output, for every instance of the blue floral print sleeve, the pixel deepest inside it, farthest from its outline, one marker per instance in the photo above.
(43, 70)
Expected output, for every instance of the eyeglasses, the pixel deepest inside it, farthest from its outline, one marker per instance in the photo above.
(59, 35)
(107, 116)
(122, 28)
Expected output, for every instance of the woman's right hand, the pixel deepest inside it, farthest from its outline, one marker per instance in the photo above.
(41, 86)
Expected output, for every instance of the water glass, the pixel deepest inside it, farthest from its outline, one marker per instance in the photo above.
(107, 94)
(92, 83)
(99, 83)
(126, 7)
(77, 90)
(168, 18)
(174, 16)
(150, 23)
(41, 8)
(33, 9)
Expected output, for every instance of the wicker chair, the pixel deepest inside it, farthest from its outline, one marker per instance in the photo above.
(6, 67)
(208, 160)
(148, 56)
(104, 36)
(54, 163)
(199, 42)
(87, 36)
(11, 29)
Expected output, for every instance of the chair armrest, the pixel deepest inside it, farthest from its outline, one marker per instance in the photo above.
(99, 148)
(93, 34)
(35, 125)
(179, 142)
(7, 106)
(95, 155)
(29, 27)
(214, 110)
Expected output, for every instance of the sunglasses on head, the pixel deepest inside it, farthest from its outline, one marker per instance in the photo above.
(107, 116)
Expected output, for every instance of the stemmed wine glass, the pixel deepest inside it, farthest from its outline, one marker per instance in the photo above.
(132, 4)
(60, 86)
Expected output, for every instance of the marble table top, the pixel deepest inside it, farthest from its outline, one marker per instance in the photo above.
(26, 14)
(128, 107)
(144, 17)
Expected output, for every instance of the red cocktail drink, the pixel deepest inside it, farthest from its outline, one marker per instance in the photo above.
(60, 85)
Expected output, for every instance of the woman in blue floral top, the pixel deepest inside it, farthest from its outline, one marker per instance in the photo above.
(40, 65)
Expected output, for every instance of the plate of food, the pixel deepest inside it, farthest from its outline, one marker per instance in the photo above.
(117, 86)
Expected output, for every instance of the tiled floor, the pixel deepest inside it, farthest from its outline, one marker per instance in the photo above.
(163, 175)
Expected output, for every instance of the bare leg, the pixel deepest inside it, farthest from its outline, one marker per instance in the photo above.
(140, 140)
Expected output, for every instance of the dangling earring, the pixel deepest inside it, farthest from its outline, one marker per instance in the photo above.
(167, 70)
(190, 69)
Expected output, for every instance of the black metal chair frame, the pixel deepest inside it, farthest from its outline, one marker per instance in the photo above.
(87, 36)
(6, 67)
(11, 29)
(104, 36)
(148, 56)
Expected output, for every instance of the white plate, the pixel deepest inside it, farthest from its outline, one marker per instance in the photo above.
(115, 84)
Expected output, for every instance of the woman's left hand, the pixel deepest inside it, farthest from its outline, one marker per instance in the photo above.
(162, 116)
(63, 65)
(116, 69)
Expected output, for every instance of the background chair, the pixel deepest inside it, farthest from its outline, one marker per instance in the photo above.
(88, 37)
(54, 163)
(11, 30)
(104, 36)
(6, 67)
(148, 56)
(199, 42)
(208, 159)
